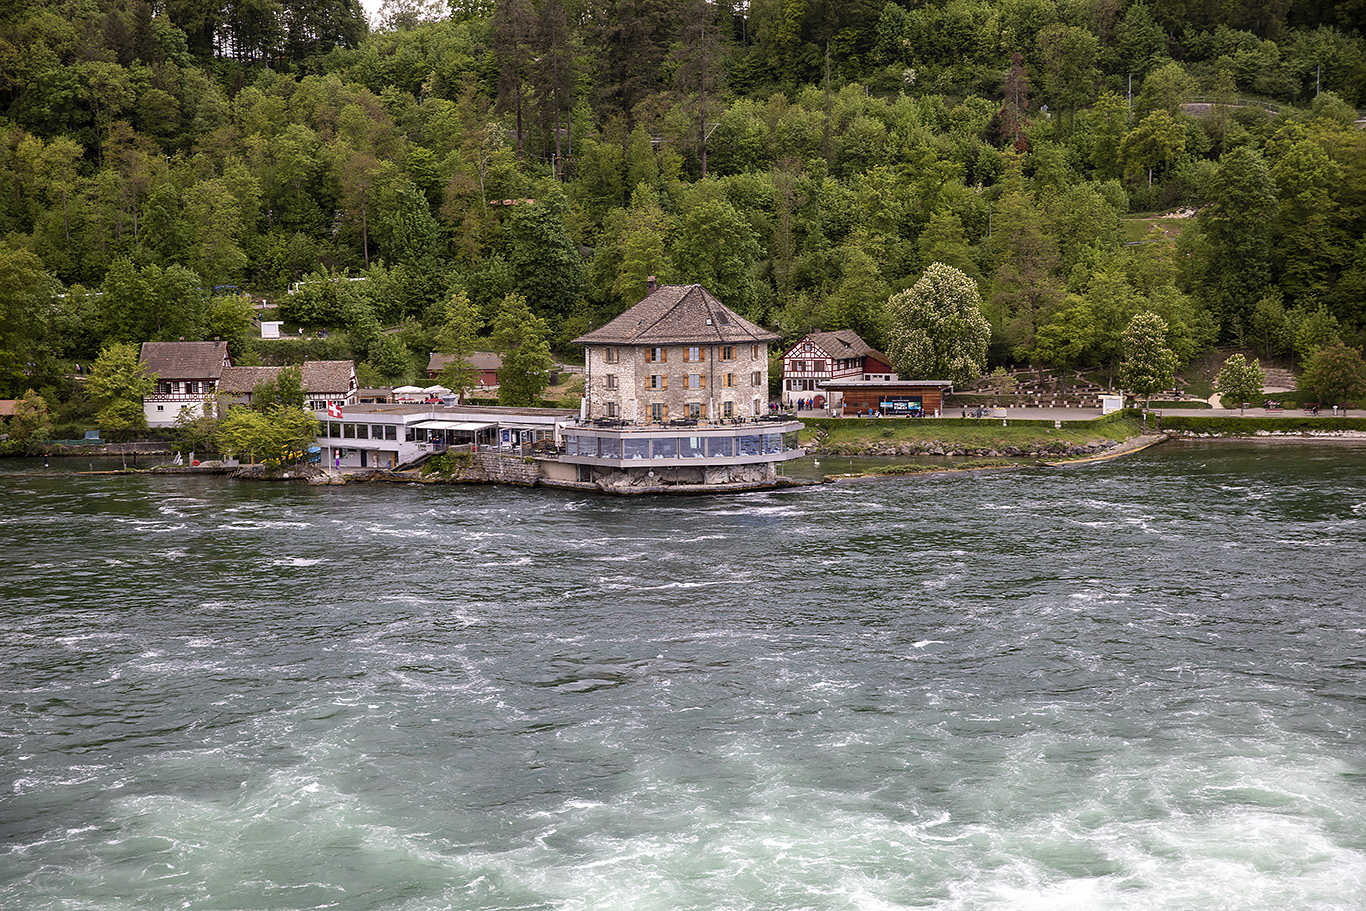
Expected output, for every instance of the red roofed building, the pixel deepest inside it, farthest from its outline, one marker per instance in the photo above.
(820, 357)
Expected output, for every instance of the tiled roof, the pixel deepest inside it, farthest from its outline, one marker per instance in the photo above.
(318, 377)
(843, 343)
(241, 380)
(479, 360)
(677, 315)
(328, 376)
(185, 360)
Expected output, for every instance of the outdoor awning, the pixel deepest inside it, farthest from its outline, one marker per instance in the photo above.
(451, 425)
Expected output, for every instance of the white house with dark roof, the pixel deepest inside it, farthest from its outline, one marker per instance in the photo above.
(187, 376)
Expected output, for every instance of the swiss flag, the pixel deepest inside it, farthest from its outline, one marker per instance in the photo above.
(334, 410)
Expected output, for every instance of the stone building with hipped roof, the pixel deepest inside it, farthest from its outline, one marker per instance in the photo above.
(675, 398)
(678, 354)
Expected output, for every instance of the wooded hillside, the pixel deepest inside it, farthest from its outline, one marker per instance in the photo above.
(802, 159)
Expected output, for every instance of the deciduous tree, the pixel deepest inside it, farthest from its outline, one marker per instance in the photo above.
(521, 337)
(1236, 226)
(547, 267)
(1149, 366)
(279, 435)
(1240, 380)
(716, 247)
(1156, 142)
(937, 328)
(117, 383)
(31, 424)
(456, 340)
(1336, 374)
(1068, 337)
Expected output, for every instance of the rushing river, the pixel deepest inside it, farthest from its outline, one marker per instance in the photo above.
(1136, 685)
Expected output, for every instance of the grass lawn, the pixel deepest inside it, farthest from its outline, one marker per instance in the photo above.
(1136, 227)
(980, 434)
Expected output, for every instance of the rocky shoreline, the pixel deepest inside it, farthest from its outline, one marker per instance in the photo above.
(1054, 450)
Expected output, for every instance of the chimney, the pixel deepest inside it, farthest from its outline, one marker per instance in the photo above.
(651, 285)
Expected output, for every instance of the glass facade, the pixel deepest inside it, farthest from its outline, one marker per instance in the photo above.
(647, 446)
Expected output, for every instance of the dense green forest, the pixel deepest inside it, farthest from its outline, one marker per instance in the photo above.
(161, 164)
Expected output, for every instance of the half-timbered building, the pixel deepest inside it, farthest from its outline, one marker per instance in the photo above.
(822, 357)
(187, 375)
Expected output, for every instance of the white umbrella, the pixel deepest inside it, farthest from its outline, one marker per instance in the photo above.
(436, 390)
(406, 390)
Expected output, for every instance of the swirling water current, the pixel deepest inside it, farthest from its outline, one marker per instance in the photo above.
(1136, 685)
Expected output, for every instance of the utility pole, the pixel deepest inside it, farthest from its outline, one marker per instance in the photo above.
(703, 86)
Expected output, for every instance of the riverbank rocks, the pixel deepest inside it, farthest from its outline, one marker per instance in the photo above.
(878, 448)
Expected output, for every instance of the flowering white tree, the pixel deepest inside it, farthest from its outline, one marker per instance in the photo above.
(938, 330)
(1149, 364)
(1240, 380)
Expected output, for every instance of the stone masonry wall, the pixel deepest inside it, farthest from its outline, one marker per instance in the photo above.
(634, 369)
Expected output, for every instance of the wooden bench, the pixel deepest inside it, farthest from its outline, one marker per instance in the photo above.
(1311, 407)
(1273, 407)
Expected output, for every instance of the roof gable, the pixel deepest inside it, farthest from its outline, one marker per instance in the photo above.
(677, 315)
(318, 377)
(479, 360)
(329, 376)
(841, 344)
(186, 360)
